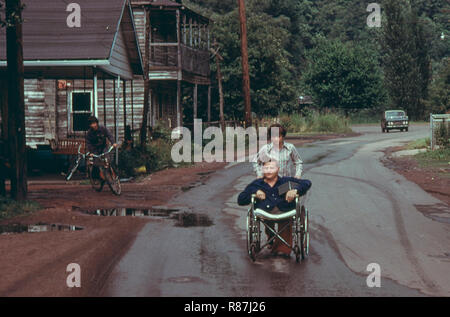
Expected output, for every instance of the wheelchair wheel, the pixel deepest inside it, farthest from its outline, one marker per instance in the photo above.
(253, 253)
(253, 236)
(297, 253)
(304, 233)
(249, 232)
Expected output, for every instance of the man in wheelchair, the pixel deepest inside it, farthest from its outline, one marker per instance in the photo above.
(275, 195)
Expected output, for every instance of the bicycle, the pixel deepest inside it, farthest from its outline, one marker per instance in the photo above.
(106, 171)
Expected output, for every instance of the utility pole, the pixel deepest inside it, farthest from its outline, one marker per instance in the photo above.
(219, 58)
(143, 132)
(245, 67)
(16, 103)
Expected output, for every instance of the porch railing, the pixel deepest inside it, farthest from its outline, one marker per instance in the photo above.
(193, 60)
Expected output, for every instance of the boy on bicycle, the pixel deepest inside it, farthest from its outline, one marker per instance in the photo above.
(96, 137)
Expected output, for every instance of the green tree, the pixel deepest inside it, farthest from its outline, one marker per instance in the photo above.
(439, 99)
(342, 76)
(272, 78)
(406, 58)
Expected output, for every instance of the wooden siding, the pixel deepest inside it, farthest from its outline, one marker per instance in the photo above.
(120, 62)
(47, 108)
(139, 21)
(34, 112)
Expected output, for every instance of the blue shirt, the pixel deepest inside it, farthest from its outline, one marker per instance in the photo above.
(273, 199)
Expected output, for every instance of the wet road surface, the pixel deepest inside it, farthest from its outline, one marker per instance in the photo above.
(361, 213)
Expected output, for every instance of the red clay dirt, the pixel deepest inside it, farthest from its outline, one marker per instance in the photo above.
(429, 179)
(34, 264)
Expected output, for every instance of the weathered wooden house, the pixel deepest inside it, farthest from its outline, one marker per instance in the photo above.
(97, 68)
(73, 72)
(179, 40)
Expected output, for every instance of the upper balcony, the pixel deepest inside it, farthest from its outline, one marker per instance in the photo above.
(179, 41)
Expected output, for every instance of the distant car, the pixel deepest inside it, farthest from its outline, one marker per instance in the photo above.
(394, 119)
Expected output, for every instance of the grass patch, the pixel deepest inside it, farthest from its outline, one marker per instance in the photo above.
(10, 208)
(437, 159)
(418, 144)
(314, 122)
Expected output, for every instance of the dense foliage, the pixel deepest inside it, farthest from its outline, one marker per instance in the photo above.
(286, 38)
(343, 76)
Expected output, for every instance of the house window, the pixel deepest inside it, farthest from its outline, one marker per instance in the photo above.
(81, 103)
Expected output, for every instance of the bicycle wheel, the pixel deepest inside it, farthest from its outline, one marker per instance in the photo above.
(113, 180)
(74, 168)
(94, 177)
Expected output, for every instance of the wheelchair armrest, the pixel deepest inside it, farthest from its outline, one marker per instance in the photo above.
(253, 201)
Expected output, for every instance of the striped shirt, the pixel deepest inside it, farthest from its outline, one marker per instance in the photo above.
(289, 159)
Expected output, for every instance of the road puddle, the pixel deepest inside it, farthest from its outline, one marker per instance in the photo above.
(191, 186)
(182, 216)
(40, 227)
(187, 219)
(436, 212)
(154, 212)
(317, 158)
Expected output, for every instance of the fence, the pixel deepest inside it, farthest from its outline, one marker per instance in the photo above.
(436, 122)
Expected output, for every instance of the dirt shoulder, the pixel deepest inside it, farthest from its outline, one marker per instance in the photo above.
(36, 262)
(433, 180)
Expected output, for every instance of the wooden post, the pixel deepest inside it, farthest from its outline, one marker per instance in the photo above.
(180, 71)
(143, 133)
(200, 35)
(104, 102)
(16, 103)
(115, 109)
(95, 92)
(115, 119)
(4, 133)
(219, 81)
(190, 32)
(195, 100)
(245, 67)
(4, 108)
(132, 107)
(209, 103)
(124, 104)
(179, 106)
(184, 30)
(209, 37)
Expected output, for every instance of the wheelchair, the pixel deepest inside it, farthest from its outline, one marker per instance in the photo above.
(299, 221)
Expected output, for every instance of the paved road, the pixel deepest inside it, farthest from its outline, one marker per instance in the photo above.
(361, 213)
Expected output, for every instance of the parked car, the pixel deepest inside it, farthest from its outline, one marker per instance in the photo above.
(394, 119)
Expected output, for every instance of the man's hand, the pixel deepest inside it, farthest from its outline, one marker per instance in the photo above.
(260, 195)
(290, 195)
(115, 145)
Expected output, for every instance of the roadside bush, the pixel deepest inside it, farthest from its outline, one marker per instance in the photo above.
(161, 132)
(442, 135)
(156, 156)
(315, 122)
